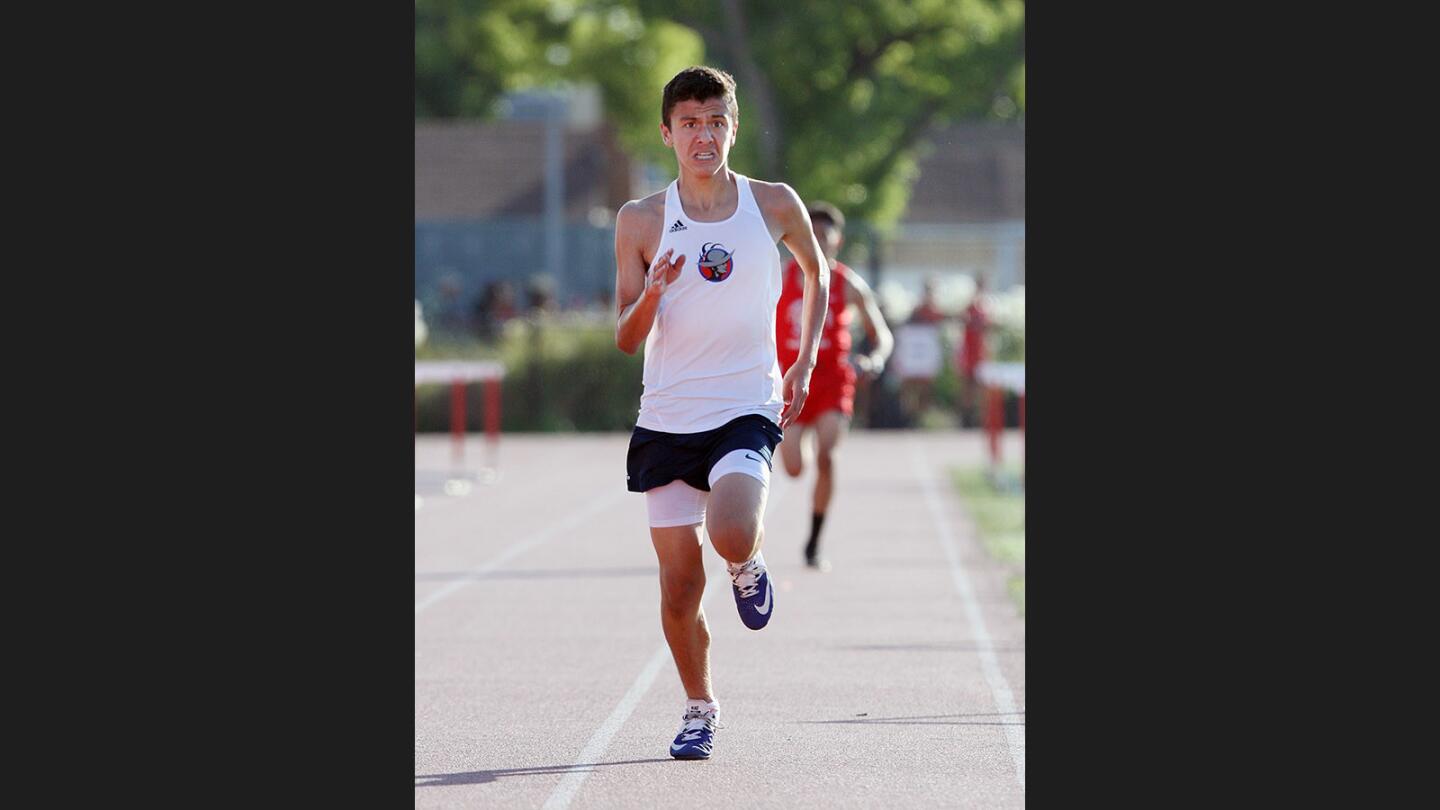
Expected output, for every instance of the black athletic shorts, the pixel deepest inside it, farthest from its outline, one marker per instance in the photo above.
(655, 458)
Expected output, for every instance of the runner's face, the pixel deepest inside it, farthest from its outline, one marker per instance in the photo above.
(828, 235)
(701, 133)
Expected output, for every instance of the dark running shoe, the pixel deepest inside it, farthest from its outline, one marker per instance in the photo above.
(818, 563)
(696, 738)
(754, 597)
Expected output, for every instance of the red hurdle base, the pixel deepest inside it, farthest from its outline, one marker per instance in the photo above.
(458, 420)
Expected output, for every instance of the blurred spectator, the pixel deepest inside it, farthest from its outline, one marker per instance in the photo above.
(421, 330)
(972, 353)
(918, 354)
(927, 311)
(450, 319)
(493, 308)
(540, 291)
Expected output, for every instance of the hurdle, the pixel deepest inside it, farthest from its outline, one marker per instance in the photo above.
(459, 374)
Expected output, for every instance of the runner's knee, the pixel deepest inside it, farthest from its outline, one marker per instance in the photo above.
(734, 536)
(793, 466)
(734, 519)
(681, 588)
(825, 460)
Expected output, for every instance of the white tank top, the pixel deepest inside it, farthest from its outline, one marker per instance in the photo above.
(710, 357)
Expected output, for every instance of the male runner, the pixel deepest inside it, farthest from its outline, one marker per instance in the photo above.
(832, 386)
(714, 404)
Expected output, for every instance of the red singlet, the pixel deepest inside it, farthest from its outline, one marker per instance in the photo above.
(832, 384)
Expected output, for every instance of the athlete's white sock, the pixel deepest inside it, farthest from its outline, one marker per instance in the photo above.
(734, 568)
(709, 707)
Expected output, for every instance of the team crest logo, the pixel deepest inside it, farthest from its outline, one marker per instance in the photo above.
(715, 262)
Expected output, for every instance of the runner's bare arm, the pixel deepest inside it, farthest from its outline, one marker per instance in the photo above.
(860, 294)
(637, 297)
(782, 207)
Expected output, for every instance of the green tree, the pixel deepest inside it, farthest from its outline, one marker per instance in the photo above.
(835, 98)
(469, 53)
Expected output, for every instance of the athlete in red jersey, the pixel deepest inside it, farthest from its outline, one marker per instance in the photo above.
(832, 384)
(972, 352)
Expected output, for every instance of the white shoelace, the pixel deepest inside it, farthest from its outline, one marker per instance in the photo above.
(695, 723)
(747, 579)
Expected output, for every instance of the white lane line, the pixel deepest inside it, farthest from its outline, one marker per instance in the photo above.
(570, 523)
(999, 687)
(600, 740)
(565, 791)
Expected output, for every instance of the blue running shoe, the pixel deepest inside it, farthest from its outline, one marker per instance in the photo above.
(696, 737)
(754, 597)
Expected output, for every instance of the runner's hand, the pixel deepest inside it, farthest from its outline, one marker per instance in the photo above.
(662, 274)
(795, 389)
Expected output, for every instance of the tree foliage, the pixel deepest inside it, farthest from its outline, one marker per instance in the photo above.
(835, 98)
(469, 53)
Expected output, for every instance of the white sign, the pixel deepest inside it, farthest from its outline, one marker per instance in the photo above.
(917, 351)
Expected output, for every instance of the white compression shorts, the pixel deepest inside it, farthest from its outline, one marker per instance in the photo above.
(679, 504)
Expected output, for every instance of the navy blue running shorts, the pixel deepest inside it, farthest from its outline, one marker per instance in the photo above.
(655, 458)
